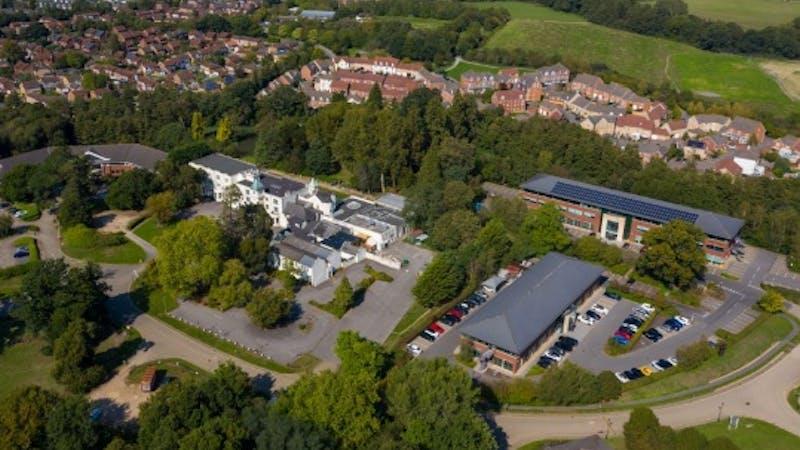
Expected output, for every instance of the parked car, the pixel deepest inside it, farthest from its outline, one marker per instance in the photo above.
(673, 360)
(599, 309)
(472, 302)
(683, 320)
(633, 320)
(432, 332)
(647, 307)
(457, 313)
(593, 315)
(447, 320)
(673, 325)
(571, 340)
(630, 327)
(478, 297)
(640, 313)
(465, 305)
(545, 362)
(553, 355)
(21, 252)
(653, 335)
(436, 327)
(635, 374)
(646, 371)
(621, 340)
(463, 310)
(621, 377)
(414, 349)
(586, 319)
(427, 336)
(566, 343)
(661, 364)
(612, 295)
(20, 213)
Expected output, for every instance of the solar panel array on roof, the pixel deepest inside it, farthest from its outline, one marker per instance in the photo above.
(621, 204)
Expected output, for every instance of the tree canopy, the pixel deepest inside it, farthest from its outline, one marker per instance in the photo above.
(190, 256)
(673, 254)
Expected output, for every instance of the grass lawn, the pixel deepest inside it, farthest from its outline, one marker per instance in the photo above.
(747, 13)
(22, 362)
(647, 58)
(32, 211)
(538, 445)
(467, 66)
(413, 315)
(30, 243)
(418, 23)
(149, 230)
(753, 434)
(167, 369)
(531, 11)
(81, 242)
(742, 348)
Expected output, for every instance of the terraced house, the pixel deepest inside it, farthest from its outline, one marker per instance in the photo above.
(622, 218)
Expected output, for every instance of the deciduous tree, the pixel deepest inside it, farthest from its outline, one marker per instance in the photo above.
(190, 256)
(673, 254)
(268, 307)
(233, 288)
(442, 279)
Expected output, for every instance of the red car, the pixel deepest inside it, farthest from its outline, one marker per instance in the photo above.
(456, 312)
(624, 333)
(436, 327)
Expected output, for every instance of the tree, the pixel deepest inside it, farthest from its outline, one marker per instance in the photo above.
(12, 52)
(69, 426)
(609, 387)
(273, 430)
(643, 431)
(375, 97)
(342, 404)
(190, 256)
(23, 418)
(592, 249)
(360, 354)
(76, 205)
(233, 288)
(690, 439)
(542, 232)
(343, 297)
(455, 228)
(183, 181)
(269, 307)
(73, 352)
(771, 301)
(673, 254)
(693, 355)
(6, 225)
(254, 253)
(131, 190)
(224, 129)
(198, 126)
(434, 403)
(569, 384)
(219, 433)
(440, 282)
(162, 206)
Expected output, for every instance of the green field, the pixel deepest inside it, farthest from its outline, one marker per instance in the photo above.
(753, 434)
(730, 77)
(418, 23)
(746, 347)
(22, 363)
(468, 66)
(747, 13)
(31, 211)
(85, 243)
(531, 11)
(149, 230)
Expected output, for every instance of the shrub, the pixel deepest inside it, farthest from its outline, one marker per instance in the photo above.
(6, 225)
(771, 301)
(377, 274)
(693, 355)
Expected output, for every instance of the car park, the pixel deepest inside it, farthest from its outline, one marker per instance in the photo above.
(673, 325)
(414, 349)
(612, 295)
(673, 361)
(427, 336)
(621, 340)
(566, 343)
(662, 364)
(635, 374)
(586, 320)
(624, 332)
(621, 377)
(647, 307)
(447, 320)
(571, 340)
(432, 332)
(457, 313)
(477, 297)
(463, 310)
(557, 351)
(553, 355)
(599, 309)
(630, 327)
(465, 305)
(633, 320)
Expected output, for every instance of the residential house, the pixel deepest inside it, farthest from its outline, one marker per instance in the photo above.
(707, 123)
(745, 131)
(512, 101)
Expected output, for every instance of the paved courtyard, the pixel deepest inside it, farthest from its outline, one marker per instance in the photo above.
(315, 331)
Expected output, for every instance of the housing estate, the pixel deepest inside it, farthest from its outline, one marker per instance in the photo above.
(622, 218)
(316, 233)
(512, 327)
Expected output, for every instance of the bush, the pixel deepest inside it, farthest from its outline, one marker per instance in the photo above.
(592, 249)
(377, 274)
(771, 301)
(6, 225)
(269, 307)
(693, 355)
(565, 385)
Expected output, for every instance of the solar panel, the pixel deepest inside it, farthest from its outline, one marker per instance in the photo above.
(621, 203)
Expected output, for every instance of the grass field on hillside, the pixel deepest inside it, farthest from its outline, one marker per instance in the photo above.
(747, 13)
(466, 66)
(730, 77)
(419, 23)
(523, 10)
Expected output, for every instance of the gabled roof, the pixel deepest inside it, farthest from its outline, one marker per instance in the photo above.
(524, 310)
(223, 163)
(658, 211)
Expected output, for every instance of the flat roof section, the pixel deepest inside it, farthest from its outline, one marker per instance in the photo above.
(526, 308)
(658, 211)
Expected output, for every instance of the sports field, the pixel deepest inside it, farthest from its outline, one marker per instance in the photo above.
(729, 77)
(747, 13)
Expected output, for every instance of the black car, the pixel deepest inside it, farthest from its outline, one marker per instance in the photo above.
(463, 310)
(634, 321)
(453, 318)
(571, 340)
(653, 335)
(545, 362)
(613, 295)
(663, 363)
(593, 315)
(564, 345)
(556, 350)
(472, 302)
(634, 374)
(447, 320)
(477, 298)
(427, 337)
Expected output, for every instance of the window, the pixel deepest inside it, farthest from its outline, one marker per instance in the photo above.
(612, 230)
(642, 228)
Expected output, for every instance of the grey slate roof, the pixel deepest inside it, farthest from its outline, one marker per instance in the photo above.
(223, 163)
(140, 155)
(522, 311)
(713, 224)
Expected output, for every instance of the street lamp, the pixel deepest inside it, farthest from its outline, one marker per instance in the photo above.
(719, 414)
